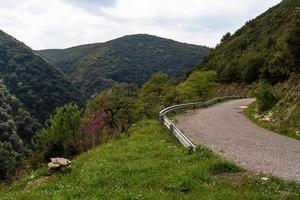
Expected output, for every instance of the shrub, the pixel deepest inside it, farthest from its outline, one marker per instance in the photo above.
(265, 97)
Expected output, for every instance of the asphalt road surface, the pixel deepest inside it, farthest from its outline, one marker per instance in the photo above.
(224, 129)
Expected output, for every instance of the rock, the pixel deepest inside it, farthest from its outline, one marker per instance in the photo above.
(52, 165)
(264, 178)
(58, 162)
(61, 161)
(268, 117)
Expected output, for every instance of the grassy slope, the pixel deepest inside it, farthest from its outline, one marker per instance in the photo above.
(287, 111)
(251, 111)
(149, 164)
(285, 114)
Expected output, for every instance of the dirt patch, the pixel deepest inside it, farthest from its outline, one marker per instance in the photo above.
(32, 184)
(234, 89)
(235, 178)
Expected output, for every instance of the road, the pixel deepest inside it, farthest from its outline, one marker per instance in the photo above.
(225, 129)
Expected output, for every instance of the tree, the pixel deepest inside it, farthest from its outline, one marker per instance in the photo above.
(226, 37)
(110, 113)
(62, 135)
(199, 86)
(155, 95)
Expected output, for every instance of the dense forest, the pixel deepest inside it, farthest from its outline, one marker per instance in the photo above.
(130, 59)
(267, 47)
(17, 128)
(40, 86)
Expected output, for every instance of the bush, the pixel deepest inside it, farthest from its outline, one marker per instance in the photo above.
(62, 135)
(199, 86)
(220, 167)
(265, 97)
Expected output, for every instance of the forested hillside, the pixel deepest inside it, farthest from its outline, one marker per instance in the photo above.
(267, 47)
(17, 128)
(131, 59)
(265, 53)
(38, 85)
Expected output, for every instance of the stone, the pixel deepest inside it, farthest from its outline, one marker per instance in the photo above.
(58, 162)
(264, 178)
(61, 161)
(52, 165)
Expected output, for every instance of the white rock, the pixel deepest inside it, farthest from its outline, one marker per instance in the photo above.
(61, 161)
(264, 178)
(52, 165)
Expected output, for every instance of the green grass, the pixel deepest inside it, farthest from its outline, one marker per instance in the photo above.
(147, 163)
(251, 111)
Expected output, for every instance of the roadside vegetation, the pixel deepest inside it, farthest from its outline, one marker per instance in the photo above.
(148, 163)
(252, 113)
(277, 108)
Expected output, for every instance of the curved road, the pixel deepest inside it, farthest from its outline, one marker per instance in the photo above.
(225, 129)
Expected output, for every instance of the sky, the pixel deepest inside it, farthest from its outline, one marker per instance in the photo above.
(44, 24)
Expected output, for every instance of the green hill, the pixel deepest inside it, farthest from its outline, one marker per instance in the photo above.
(149, 164)
(131, 59)
(38, 85)
(267, 47)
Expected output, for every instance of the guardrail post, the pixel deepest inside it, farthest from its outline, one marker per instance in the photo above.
(172, 128)
(194, 106)
(161, 118)
(190, 150)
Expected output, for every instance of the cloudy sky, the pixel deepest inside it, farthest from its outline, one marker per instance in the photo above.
(64, 23)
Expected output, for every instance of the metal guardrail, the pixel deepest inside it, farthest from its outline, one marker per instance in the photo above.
(176, 131)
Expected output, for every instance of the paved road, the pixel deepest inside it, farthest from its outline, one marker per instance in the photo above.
(226, 130)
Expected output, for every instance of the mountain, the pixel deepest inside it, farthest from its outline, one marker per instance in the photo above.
(37, 84)
(134, 58)
(267, 47)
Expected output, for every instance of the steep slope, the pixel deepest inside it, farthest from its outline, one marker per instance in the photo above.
(37, 84)
(17, 128)
(267, 47)
(14, 119)
(134, 58)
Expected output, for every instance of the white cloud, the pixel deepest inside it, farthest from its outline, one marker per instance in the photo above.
(64, 23)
